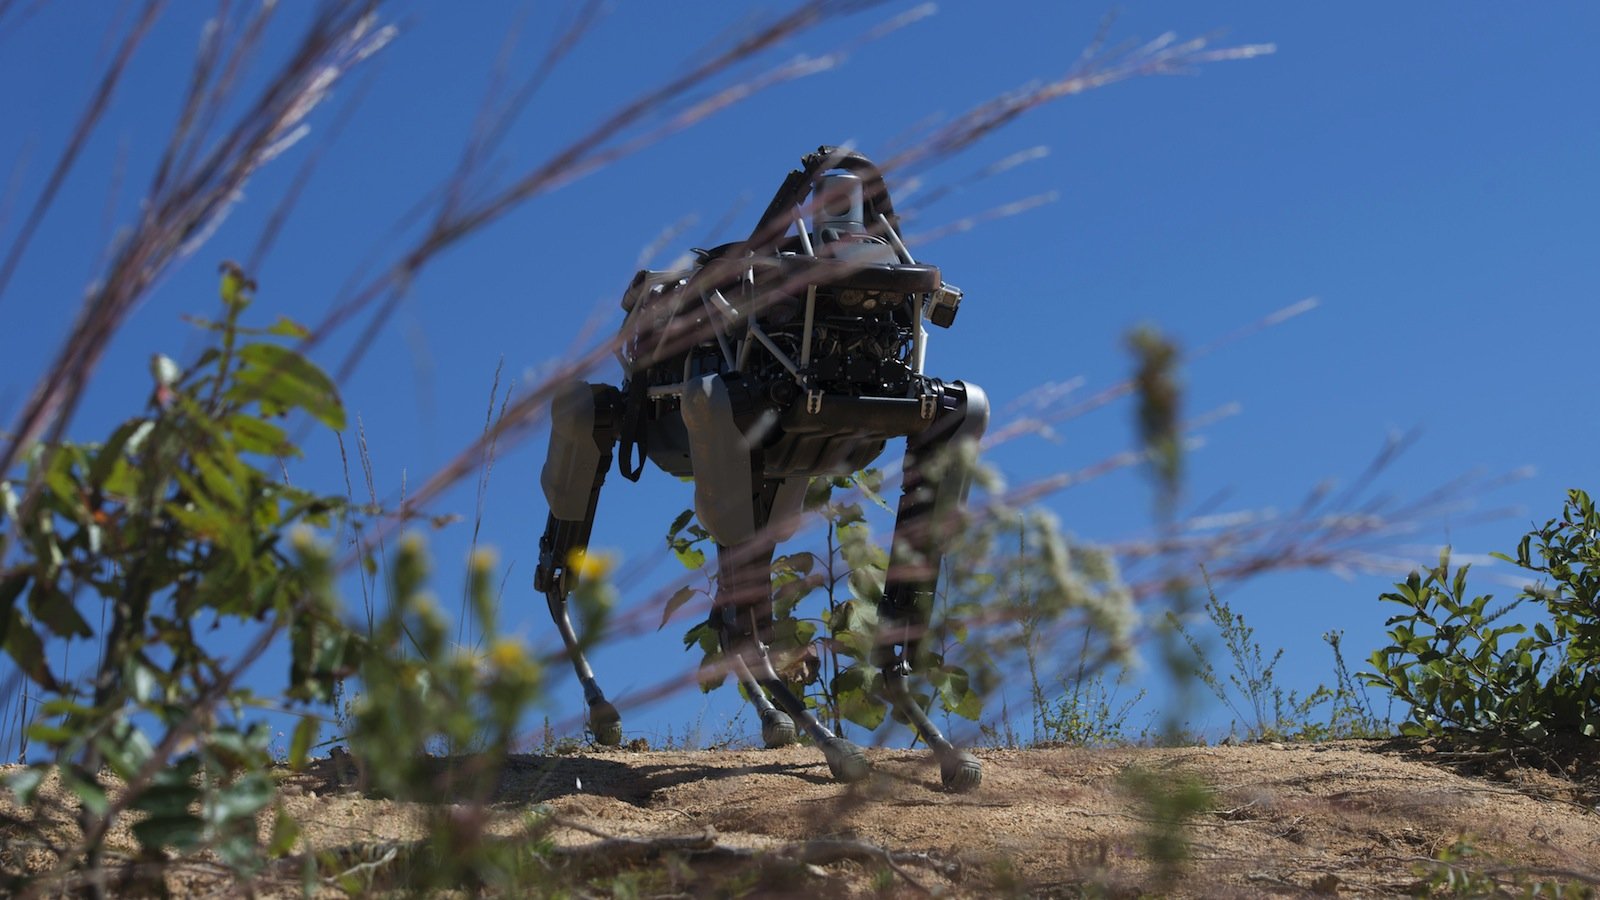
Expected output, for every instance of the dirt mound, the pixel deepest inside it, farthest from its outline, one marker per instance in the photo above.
(1354, 819)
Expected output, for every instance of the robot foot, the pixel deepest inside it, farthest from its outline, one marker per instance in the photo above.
(845, 760)
(960, 771)
(777, 729)
(605, 723)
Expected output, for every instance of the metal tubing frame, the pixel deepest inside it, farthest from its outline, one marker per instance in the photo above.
(716, 328)
(777, 352)
(919, 341)
(811, 317)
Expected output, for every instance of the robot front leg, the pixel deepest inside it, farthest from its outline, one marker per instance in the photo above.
(742, 611)
(583, 431)
(742, 615)
(748, 514)
(928, 519)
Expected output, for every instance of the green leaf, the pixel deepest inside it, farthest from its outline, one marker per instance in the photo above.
(27, 650)
(55, 609)
(8, 500)
(25, 783)
(694, 635)
(91, 795)
(305, 734)
(146, 687)
(287, 327)
(957, 696)
(711, 679)
(285, 831)
(848, 515)
(281, 380)
(126, 439)
(788, 594)
(126, 749)
(799, 563)
(181, 831)
(870, 482)
(251, 435)
(234, 286)
(244, 798)
(224, 478)
(818, 492)
(691, 557)
(866, 584)
(168, 798)
(11, 588)
(679, 598)
(53, 735)
(863, 709)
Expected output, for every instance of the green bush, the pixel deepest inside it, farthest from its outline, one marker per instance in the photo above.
(1449, 660)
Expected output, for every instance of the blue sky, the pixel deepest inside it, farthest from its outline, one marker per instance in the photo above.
(1429, 173)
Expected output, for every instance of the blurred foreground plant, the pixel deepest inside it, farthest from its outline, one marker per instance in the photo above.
(177, 527)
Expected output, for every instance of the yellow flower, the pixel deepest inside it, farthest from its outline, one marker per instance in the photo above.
(591, 566)
(483, 560)
(506, 653)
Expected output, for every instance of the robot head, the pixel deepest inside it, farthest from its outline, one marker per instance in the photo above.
(839, 203)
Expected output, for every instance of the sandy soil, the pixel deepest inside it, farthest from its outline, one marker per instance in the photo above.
(1352, 819)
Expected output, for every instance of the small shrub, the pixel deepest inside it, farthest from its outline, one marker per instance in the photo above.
(1448, 658)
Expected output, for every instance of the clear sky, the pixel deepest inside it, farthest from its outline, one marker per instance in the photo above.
(1429, 172)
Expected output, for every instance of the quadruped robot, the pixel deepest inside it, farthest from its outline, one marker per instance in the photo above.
(793, 353)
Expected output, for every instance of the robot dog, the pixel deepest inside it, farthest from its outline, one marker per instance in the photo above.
(796, 352)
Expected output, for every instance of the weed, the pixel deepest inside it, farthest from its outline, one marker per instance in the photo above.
(551, 745)
(1089, 713)
(1260, 705)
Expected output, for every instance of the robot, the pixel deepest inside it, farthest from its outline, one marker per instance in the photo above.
(796, 352)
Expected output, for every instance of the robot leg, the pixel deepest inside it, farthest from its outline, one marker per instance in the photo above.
(583, 431)
(927, 520)
(736, 504)
(742, 613)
